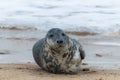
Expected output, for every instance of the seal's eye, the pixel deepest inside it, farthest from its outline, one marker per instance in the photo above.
(51, 35)
(63, 34)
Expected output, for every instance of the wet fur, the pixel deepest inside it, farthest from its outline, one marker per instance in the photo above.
(58, 60)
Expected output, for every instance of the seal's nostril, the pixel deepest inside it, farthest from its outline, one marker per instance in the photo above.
(59, 41)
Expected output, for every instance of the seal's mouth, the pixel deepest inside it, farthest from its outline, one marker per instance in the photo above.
(60, 46)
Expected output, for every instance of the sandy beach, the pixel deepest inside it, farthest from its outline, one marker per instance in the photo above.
(30, 71)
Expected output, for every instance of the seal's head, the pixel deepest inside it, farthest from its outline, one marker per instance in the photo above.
(57, 39)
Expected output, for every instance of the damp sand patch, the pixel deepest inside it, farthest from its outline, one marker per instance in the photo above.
(17, 28)
(19, 38)
(80, 33)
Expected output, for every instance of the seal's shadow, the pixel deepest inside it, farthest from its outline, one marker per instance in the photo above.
(39, 71)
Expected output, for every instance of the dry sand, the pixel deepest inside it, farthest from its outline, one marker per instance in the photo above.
(30, 71)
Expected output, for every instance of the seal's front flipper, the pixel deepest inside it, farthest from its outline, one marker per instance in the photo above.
(82, 53)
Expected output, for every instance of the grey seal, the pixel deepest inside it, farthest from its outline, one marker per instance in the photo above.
(58, 53)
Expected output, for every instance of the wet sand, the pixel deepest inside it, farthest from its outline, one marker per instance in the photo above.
(30, 71)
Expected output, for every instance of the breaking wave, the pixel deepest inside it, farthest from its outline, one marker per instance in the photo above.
(74, 30)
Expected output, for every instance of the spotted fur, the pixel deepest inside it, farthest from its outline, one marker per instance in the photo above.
(65, 57)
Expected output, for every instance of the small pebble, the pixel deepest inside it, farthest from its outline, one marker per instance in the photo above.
(99, 55)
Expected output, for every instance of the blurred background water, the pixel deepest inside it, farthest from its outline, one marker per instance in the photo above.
(90, 15)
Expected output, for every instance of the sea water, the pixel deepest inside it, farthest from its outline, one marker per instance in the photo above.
(98, 16)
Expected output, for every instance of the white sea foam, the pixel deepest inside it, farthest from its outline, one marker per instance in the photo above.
(94, 15)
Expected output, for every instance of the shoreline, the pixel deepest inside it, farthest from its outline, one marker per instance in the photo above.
(17, 63)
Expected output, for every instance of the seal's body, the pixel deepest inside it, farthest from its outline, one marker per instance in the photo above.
(58, 53)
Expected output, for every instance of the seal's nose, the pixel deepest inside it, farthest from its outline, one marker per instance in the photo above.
(59, 41)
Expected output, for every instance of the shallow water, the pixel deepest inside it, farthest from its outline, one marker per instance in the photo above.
(20, 51)
(107, 43)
